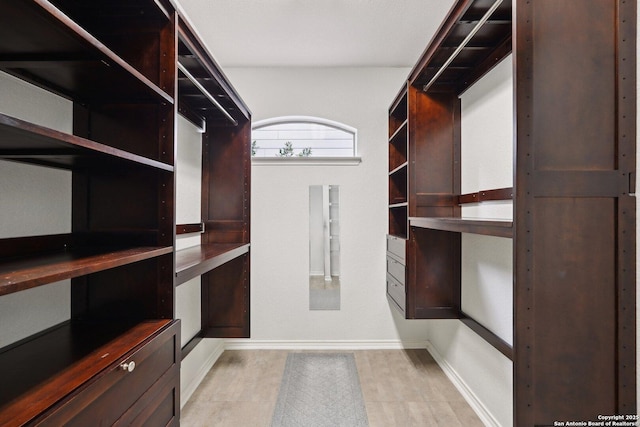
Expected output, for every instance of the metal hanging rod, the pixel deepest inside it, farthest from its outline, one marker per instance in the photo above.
(206, 93)
(455, 53)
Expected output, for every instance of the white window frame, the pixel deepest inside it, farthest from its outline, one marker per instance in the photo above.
(310, 161)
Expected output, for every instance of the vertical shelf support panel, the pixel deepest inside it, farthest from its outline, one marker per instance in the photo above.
(575, 218)
(226, 214)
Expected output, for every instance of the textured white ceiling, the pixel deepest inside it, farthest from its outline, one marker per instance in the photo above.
(316, 33)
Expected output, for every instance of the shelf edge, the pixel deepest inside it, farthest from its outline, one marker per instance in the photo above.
(23, 126)
(192, 269)
(51, 275)
(487, 227)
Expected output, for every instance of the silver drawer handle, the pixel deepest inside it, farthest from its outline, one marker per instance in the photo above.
(129, 367)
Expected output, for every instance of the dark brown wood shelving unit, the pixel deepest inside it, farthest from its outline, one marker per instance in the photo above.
(120, 63)
(208, 100)
(53, 364)
(115, 60)
(571, 194)
(475, 36)
(398, 166)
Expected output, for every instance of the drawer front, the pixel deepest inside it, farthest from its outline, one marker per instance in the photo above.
(396, 269)
(109, 397)
(159, 406)
(397, 247)
(396, 291)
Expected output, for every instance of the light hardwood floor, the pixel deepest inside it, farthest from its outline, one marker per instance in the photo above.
(400, 388)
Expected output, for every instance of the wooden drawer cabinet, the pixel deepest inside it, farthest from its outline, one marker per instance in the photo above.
(397, 247)
(396, 269)
(158, 406)
(396, 292)
(144, 383)
(397, 272)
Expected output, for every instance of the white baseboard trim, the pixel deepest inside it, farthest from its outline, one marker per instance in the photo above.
(476, 404)
(186, 393)
(251, 344)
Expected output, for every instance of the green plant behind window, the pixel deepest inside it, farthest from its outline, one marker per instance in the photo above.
(306, 152)
(287, 151)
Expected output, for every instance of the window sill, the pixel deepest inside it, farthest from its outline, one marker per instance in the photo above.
(306, 161)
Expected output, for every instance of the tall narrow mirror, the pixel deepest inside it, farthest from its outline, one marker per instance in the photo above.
(324, 247)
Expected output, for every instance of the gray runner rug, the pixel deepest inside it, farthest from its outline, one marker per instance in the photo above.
(318, 390)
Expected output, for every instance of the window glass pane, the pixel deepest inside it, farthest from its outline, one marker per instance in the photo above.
(302, 138)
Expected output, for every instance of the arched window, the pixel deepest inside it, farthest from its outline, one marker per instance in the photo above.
(302, 136)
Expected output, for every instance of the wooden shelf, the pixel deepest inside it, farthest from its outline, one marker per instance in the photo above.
(398, 147)
(488, 46)
(26, 142)
(398, 112)
(398, 109)
(398, 184)
(18, 274)
(401, 129)
(399, 205)
(488, 227)
(192, 262)
(42, 45)
(399, 168)
(97, 12)
(40, 371)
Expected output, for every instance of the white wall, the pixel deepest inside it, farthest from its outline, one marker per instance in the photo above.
(487, 262)
(280, 210)
(188, 173)
(188, 295)
(487, 163)
(34, 200)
